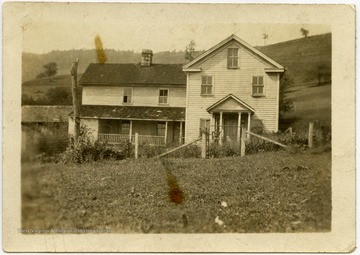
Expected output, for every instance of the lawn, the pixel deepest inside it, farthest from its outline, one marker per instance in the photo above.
(265, 192)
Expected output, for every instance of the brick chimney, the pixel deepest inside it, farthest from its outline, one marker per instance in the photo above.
(146, 57)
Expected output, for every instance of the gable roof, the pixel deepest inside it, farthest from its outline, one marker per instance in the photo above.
(231, 96)
(44, 113)
(242, 42)
(133, 74)
(132, 112)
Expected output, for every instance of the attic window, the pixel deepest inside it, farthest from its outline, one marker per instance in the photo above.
(127, 95)
(233, 58)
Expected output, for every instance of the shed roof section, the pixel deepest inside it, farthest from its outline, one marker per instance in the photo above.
(133, 112)
(41, 113)
(134, 74)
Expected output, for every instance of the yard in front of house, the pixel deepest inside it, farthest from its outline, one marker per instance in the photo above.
(264, 192)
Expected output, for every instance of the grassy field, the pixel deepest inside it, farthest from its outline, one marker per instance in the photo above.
(268, 192)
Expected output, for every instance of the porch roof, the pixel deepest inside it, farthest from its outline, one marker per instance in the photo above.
(133, 112)
(230, 103)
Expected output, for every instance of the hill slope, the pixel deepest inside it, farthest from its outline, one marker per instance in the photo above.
(302, 57)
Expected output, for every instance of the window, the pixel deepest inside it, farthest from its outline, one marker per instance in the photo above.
(163, 96)
(233, 58)
(127, 95)
(125, 127)
(161, 129)
(258, 85)
(204, 126)
(206, 85)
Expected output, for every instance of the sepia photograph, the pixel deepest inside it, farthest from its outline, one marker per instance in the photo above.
(167, 119)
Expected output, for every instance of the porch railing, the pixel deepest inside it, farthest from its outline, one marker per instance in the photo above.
(143, 139)
(113, 138)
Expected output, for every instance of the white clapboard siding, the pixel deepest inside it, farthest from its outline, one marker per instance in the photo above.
(142, 96)
(232, 81)
(93, 127)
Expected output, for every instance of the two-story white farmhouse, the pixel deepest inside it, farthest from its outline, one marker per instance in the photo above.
(229, 86)
(232, 85)
(119, 100)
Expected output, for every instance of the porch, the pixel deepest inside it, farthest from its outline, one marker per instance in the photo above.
(158, 133)
(226, 126)
(228, 116)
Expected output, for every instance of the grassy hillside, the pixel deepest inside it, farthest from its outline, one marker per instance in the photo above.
(302, 57)
(311, 103)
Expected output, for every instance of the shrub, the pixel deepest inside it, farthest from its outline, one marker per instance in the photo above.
(191, 151)
(149, 151)
(225, 150)
(85, 150)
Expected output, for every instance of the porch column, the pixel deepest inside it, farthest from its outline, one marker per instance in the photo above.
(211, 130)
(221, 128)
(239, 128)
(248, 125)
(166, 130)
(180, 135)
(130, 131)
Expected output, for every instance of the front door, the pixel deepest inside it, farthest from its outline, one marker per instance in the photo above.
(230, 128)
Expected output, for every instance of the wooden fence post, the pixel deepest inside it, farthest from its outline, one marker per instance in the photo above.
(242, 142)
(311, 133)
(203, 145)
(136, 145)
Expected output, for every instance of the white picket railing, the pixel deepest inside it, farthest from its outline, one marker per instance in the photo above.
(143, 139)
(113, 138)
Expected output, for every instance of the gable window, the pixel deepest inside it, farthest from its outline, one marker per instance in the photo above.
(161, 129)
(127, 97)
(206, 85)
(233, 58)
(163, 96)
(258, 85)
(204, 126)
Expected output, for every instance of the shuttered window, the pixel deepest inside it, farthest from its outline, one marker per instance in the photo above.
(127, 98)
(258, 85)
(163, 96)
(206, 85)
(233, 58)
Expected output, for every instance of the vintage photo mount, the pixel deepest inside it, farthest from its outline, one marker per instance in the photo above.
(341, 18)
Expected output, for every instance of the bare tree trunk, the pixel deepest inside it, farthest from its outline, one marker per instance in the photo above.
(73, 71)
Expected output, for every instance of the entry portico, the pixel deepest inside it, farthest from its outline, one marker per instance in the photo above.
(228, 116)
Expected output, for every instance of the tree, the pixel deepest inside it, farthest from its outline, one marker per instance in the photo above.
(285, 104)
(50, 70)
(304, 32)
(190, 51)
(320, 72)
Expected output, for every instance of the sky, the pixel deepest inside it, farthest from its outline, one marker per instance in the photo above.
(160, 27)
